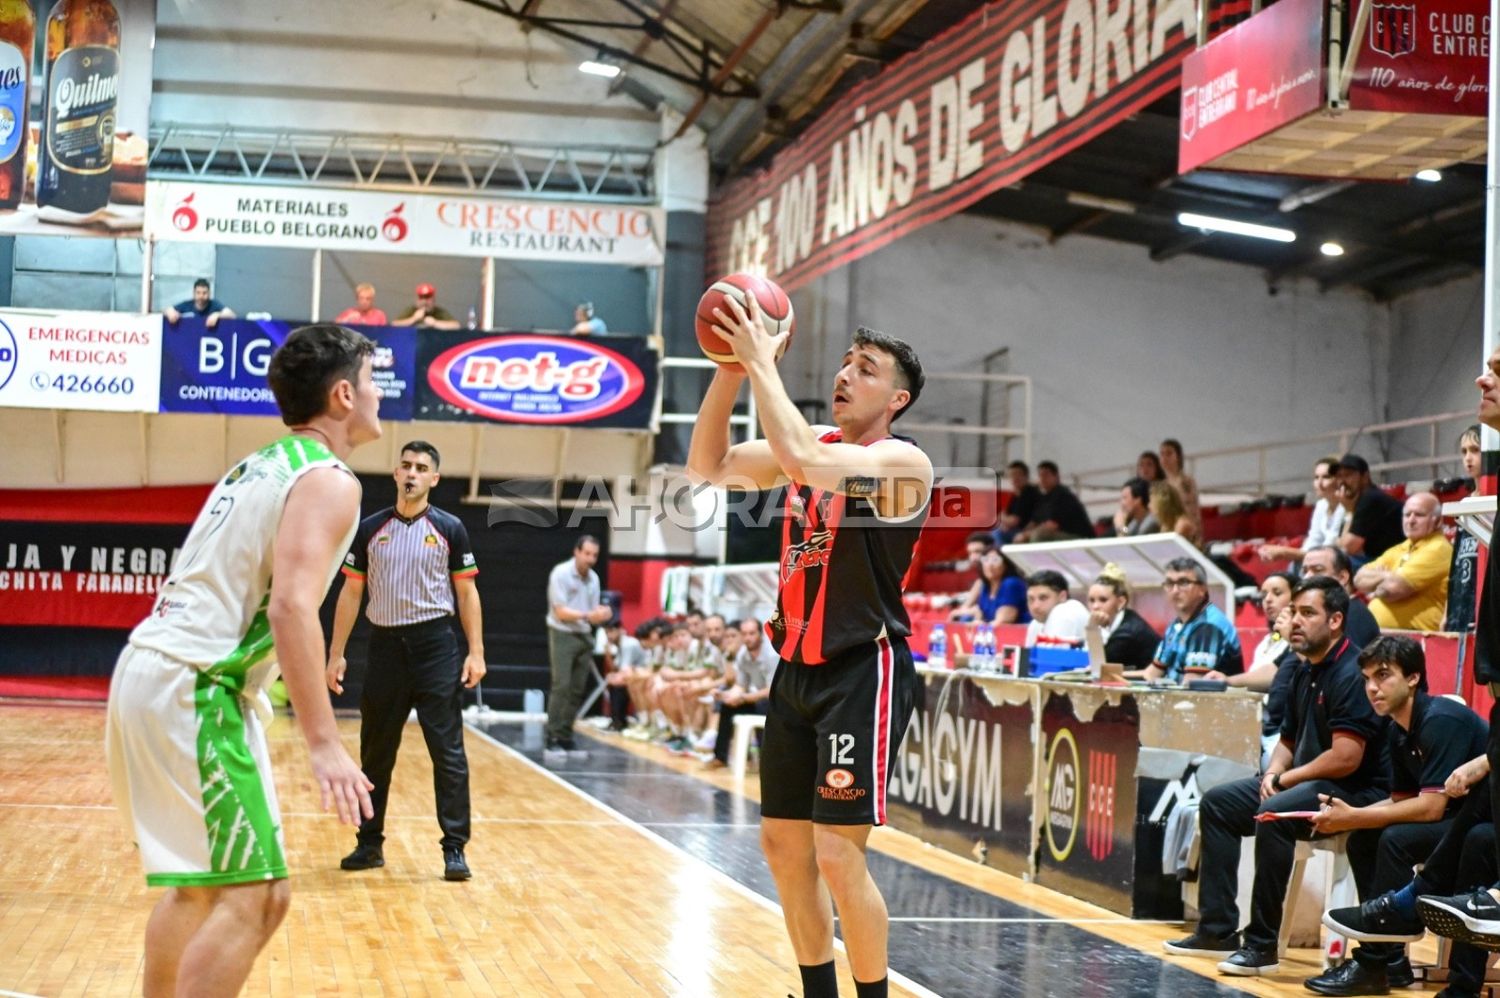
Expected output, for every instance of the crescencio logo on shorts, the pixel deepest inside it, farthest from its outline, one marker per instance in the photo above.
(536, 379)
(8, 355)
(838, 784)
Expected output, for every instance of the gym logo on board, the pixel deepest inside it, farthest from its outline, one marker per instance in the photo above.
(1063, 798)
(1099, 824)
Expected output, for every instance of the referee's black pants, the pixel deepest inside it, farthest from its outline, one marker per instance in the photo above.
(415, 666)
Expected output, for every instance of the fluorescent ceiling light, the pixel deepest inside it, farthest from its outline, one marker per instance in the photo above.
(1210, 224)
(1331, 248)
(1430, 176)
(603, 69)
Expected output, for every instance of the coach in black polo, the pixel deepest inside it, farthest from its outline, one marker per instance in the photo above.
(418, 565)
(1330, 745)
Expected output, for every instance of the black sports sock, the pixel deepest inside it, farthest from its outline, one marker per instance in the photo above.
(619, 706)
(872, 989)
(820, 981)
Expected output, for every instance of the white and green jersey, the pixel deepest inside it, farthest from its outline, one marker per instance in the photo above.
(211, 611)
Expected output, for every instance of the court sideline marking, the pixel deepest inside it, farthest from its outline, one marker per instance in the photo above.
(894, 976)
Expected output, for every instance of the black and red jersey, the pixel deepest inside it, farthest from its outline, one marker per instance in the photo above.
(841, 573)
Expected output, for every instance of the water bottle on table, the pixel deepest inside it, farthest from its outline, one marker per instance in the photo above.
(937, 647)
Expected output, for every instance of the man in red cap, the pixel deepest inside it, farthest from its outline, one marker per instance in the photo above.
(427, 312)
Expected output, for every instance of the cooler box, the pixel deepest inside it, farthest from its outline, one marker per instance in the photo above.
(1043, 659)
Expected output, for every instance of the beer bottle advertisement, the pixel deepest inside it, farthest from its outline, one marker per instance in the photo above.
(75, 98)
(83, 85)
(17, 38)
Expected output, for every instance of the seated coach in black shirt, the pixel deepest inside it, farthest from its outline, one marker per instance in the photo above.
(1360, 625)
(1330, 746)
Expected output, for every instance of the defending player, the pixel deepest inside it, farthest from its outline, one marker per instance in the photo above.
(844, 691)
(187, 759)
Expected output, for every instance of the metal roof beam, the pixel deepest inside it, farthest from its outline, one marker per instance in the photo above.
(789, 67)
(565, 28)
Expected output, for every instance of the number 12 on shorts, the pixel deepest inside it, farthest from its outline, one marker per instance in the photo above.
(841, 749)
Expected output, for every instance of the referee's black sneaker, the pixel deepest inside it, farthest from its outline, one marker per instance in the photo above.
(454, 867)
(364, 857)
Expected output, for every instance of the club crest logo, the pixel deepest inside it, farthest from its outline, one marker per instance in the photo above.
(1393, 29)
(1189, 113)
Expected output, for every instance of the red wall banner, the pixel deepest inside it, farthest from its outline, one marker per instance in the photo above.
(1431, 57)
(89, 557)
(1003, 93)
(1251, 80)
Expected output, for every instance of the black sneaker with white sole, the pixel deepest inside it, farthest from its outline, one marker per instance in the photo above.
(1467, 918)
(1375, 921)
(1248, 961)
(1201, 943)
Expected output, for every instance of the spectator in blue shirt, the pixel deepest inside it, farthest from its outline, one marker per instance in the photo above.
(585, 322)
(1201, 639)
(997, 597)
(203, 305)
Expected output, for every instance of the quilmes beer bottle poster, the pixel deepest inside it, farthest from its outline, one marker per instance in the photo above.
(75, 99)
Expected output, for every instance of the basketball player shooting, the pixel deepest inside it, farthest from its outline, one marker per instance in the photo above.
(185, 737)
(843, 694)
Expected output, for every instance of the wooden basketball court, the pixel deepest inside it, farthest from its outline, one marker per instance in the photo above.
(569, 896)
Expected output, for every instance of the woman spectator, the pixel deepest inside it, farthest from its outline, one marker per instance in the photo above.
(1179, 479)
(997, 596)
(1328, 516)
(1168, 508)
(1464, 571)
(1469, 450)
(1274, 663)
(1275, 602)
(1148, 466)
(1128, 639)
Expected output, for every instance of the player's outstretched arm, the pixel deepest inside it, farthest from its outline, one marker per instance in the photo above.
(711, 459)
(317, 515)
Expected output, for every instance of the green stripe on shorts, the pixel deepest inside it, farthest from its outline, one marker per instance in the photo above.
(243, 840)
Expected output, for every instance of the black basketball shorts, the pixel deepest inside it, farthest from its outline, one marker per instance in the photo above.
(832, 734)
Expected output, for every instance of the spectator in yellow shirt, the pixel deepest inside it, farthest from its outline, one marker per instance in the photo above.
(1408, 583)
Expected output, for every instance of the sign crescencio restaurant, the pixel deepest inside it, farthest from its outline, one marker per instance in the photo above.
(396, 222)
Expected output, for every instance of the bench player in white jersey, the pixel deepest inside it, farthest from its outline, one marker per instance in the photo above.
(185, 740)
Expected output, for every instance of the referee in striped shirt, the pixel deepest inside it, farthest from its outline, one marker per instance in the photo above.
(417, 563)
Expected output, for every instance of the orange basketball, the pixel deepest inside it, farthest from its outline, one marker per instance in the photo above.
(775, 310)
